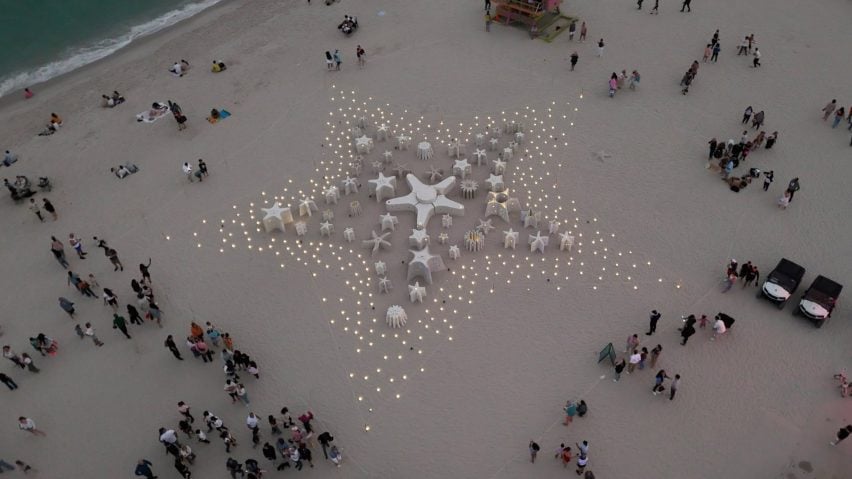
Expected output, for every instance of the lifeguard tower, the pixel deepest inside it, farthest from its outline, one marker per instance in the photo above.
(540, 16)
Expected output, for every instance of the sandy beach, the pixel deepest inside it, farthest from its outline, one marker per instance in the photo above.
(504, 337)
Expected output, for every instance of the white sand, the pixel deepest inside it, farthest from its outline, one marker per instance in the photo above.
(759, 403)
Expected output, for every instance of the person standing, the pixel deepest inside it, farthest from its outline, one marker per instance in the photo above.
(572, 28)
(716, 49)
(686, 6)
(570, 410)
(337, 59)
(135, 318)
(118, 322)
(77, 245)
(187, 170)
(600, 47)
(708, 50)
(635, 359)
(842, 434)
(673, 387)
(829, 109)
(768, 176)
(770, 141)
(58, 251)
(9, 382)
(619, 367)
(658, 382)
(28, 362)
(48, 206)
(574, 58)
(487, 6)
(756, 55)
(110, 299)
(171, 346)
(487, 22)
(35, 209)
(242, 394)
(90, 332)
(632, 343)
(79, 331)
(729, 281)
(362, 56)
(747, 114)
(655, 316)
(656, 9)
(838, 117)
(182, 469)
(655, 355)
(534, 448)
(688, 329)
(325, 441)
(27, 424)
(752, 276)
(143, 468)
(113, 258)
(639, 4)
(583, 32)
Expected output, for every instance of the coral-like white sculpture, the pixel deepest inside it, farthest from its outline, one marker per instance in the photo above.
(455, 253)
(355, 132)
(424, 150)
(455, 148)
(474, 241)
(510, 239)
(326, 229)
(492, 144)
(382, 132)
(461, 168)
(418, 239)
(301, 228)
(446, 221)
(416, 293)
(350, 185)
(332, 194)
(479, 139)
(426, 200)
(443, 237)
(552, 227)
(387, 156)
(566, 241)
(328, 215)
(396, 316)
(349, 234)
(388, 222)
(364, 144)
(507, 154)
(377, 242)
(383, 186)
(495, 183)
(403, 142)
(468, 188)
(480, 156)
(276, 217)
(423, 264)
(538, 242)
(307, 206)
(484, 227)
(384, 285)
(381, 268)
(355, 208)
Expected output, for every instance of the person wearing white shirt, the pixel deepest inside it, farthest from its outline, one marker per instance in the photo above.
(718, 329)
(635, 358)
(251, 421)
(187, 170)
(168, 436)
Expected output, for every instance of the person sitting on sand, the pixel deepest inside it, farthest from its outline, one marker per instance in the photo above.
(48, 130)
(111, 101)
(28, 93)
(738, 184)
(120, 172)
(180, 68)
(218, 67)
(214, 114)
(157, 109)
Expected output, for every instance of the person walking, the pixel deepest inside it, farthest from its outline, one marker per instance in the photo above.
(632, 343)
(768, 176)
(673, 387)
(28, 425)
(771, 139)
(570, 411)
(600, 47)
(687, 330)
(242, 394)
(110, 299)
(187, 170)
(838, 117)
(337, 59)
(582, 461)
(202, 168)
(28, 362)
(719, 328)
(583, 32)
(118, 322)
(572, 28)
(66, 306)
(9, 382)
(747, 114)
(183, 409)
(171, 346)
(487, 6)
(656, 9)
(35, 209)
(77, 245)
(5, 466)
(756, 60)
(90, 332)
(533, 446)
(135, 318)
(79, 331)
(488, 22)
(792, 188)
(655, 316)
(143, 468)
(686, 5)
(362, 56)
(729, 281)
(48, 206)
(658, 382)
(842, 434)
(829, 109)
(58, 251)
(752, 276)
(716, 49)
(113, 258)
(325, 441)
(619, 367)
(639, 4)
(655, 355)
(574, 58)
(9, 354)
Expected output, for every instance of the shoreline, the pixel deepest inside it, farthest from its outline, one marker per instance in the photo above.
(160, 35)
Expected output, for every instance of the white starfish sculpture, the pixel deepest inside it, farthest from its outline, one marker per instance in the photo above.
(307, 206)
(461, 168)
(276, 217)
(384, 285)
(381, 268)
(382, 132)
(423, 264)
(434, 174)
(387, 156)
(416, 293)
(484, 227)
(552, 227)
(426, 200)
(364, 144)
(510, 239)
(418, 239)
(455, 252)
(350, 185)
(383, 186)
(495, 183)
(499, 166)
(326, 229)
(538, 242)
(388, 222)
(480, 156)
(566, 241)
(377, 242)
(349, 234)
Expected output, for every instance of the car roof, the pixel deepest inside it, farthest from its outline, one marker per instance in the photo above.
(826, 286)
(790, 269)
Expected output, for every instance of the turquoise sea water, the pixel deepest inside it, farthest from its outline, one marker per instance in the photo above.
(41, 39)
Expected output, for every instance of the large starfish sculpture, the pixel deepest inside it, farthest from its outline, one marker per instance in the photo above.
(426, 200)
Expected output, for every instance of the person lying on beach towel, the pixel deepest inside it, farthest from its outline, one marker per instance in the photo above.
(48, 130)
(124, 170)
(218, 67)
(157, 111)
(216, 115)
(111, 101)
(179, 68)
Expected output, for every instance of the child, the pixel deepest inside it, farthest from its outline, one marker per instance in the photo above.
(784, 201)
(702, 323)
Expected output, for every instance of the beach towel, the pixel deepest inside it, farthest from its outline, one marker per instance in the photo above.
(146, 116)
(222, 115)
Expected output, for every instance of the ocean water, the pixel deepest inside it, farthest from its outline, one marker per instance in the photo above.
(42, 39)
